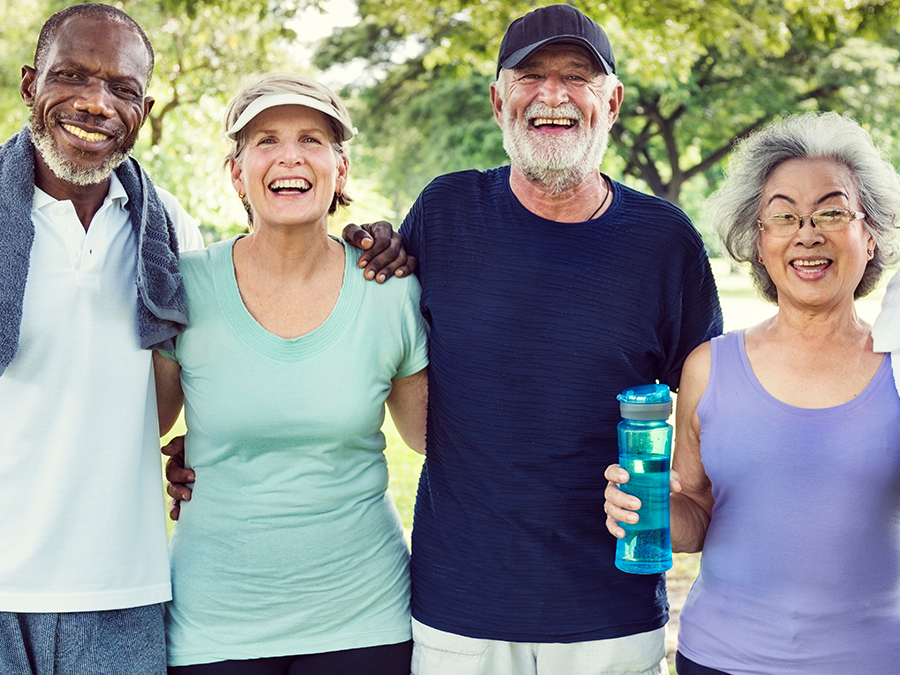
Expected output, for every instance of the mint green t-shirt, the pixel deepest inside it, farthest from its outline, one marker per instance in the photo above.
(290, 544)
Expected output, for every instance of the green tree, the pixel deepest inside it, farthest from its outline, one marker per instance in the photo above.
(698, 75)
(203, 53)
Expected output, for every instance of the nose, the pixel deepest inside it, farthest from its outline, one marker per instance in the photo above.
(291, 154)
(808, 233)
(554, 91)
(96, 99)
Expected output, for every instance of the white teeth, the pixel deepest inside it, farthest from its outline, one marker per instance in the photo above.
(84, 135)
(291, 184)
(555, 121)
(809, 263)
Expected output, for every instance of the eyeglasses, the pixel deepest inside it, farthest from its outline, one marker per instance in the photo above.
(827, 220)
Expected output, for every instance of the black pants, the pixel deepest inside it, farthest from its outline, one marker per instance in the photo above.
(380, 660)
(684, 666)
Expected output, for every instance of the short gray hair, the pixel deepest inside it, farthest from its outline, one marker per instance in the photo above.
(286, 83)
(734, 208)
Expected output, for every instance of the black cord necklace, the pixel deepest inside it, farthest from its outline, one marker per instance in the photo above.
(605, 197)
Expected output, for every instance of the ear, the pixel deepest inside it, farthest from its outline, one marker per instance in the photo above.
(148, 106)
(237, 177)
(497, 101)
(343, 173)
(615, 103)
(27, 85)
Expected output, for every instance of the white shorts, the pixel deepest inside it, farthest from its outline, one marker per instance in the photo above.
(436, 652)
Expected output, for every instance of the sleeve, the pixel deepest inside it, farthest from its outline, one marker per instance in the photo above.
(413, 235)
(189, 237)
(698, 316)
(413, 333)
(886, 329)
(169, 355)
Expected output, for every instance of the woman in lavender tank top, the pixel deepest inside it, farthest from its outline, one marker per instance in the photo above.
(786, 471)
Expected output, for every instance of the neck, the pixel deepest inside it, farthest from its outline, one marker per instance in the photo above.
(585, 200)
(87, 199)
(287, 252)
(835, 323)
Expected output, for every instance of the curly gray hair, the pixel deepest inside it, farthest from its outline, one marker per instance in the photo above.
(734, 208)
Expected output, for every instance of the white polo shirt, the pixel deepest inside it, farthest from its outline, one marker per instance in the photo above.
(82, 514)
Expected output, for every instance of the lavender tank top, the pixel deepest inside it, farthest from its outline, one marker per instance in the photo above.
(800, 572)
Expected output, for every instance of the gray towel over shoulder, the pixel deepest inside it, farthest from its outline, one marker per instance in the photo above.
(161, 311)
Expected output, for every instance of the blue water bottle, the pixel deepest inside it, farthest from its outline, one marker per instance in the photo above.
(645, 451)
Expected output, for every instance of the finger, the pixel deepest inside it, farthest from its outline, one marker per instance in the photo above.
(174, 509)
(614, 528)
(621, 515)
(386, 250)
(409, 268)
(179, 492)
(357, 237)
(173, 447)
(616, 474)
(390, 267)
(622, 503)
(674, 482)
(176, 472)
(375, 236)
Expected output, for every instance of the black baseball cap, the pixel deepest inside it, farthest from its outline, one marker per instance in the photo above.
(550, 24)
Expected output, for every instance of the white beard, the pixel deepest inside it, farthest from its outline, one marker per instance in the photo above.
(556, 162)
(63, 168)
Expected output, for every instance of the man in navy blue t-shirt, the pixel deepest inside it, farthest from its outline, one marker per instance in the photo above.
(512, 565)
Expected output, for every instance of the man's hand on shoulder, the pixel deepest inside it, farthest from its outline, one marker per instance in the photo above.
(383, 253)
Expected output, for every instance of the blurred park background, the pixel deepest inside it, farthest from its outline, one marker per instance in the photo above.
(698, 74)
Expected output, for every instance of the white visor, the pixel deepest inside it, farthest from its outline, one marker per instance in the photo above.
(272, 100)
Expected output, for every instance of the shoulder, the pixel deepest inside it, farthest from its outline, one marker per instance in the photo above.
(695, 374)
(194, 261)
(656, 214)
(450, 201)
(189, 237)
(395, 289)
(465, 183)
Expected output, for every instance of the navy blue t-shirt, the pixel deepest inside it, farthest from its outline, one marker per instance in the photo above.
(535, 327)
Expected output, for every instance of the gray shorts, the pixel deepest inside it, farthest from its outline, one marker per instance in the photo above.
(115, 642)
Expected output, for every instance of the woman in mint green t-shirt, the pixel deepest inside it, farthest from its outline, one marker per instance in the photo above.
(290, 556)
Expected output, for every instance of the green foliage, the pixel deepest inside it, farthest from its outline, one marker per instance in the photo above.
(18, 37)
(204, 51)
(698, 75)
(203, 54)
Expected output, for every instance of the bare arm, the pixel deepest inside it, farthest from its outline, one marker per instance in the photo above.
(169, 397)
(692, 498)
(408, 403)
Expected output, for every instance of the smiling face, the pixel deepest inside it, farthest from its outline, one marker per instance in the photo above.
(289, 169)
(556, 113)
(814, 269)
(87, 102)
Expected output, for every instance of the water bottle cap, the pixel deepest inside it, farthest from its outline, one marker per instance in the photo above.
(646, 402)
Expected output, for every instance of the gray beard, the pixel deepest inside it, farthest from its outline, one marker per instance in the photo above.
(65, 170)
(556, 163)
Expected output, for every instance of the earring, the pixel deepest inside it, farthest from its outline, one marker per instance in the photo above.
(871, 253)
(760, 260)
